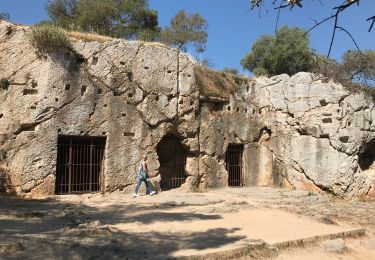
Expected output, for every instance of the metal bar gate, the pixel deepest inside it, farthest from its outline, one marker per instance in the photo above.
(79, 164)
(234, 164)
(175, 180)
(172, 158)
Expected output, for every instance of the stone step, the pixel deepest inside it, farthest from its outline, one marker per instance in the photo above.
(259, 249)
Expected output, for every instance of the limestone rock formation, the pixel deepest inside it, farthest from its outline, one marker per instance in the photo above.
(136, 98)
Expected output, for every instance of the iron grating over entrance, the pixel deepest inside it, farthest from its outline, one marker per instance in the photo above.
(234, 164)
(172, 158)
(79, 164)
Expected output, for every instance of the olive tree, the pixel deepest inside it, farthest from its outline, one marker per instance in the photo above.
(339, 6)
(131, 19)
(286, 52)
(186, 29)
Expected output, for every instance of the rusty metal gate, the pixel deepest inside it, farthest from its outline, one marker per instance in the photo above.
(172, 159)
(234, 164)
(79, 164)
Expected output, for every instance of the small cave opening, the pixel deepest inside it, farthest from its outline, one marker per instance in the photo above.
(366, 159)
(234, 164)
(80, 164)
(264, 135)
(30, 92)
(83, 90)
(172, 158)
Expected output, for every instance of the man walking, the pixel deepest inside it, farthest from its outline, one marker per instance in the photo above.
(142, 177)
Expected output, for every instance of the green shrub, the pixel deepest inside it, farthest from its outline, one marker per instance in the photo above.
(4, 83)
(47, 37)
(230, 70)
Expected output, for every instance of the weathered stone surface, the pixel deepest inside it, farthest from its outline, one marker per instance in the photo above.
(334, 245)
(295, 131)
(215, 174)
(371, 244)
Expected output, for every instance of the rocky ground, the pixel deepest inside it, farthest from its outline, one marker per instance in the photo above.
(175, 224)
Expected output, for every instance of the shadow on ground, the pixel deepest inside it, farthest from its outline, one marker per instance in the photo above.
(36, 229)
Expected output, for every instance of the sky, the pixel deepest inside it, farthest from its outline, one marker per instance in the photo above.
(233, 27)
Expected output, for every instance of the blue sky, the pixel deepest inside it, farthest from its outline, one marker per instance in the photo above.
(233, 27)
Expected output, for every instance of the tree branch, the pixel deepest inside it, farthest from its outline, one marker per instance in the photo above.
(357, 72)
(338, 10)
(319, 23)
(283, 6)
(334, 32)
(278, 15)
(372, 23)
(351, 37)
(344, 6)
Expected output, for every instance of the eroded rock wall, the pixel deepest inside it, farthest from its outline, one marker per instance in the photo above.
(319, 131)
(297, 131)
(130, 92)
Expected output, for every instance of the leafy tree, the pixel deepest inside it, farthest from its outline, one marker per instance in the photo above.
(359, 66)
(63, 12)
(130, 19)
(4, 16)
(356, 67)
(286, 52)
(339, 7)
(186, 29)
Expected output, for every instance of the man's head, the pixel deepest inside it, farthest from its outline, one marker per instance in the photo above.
(144, 157)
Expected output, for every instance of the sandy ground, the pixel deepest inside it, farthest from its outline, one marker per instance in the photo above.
(176, 223)
(357, 249)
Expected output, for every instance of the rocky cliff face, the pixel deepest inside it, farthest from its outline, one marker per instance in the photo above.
(319, 135)
(296, 131)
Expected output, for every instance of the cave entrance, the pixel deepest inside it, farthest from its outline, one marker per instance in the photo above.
(366, 159)
(79, 164)
(234, 165)
(172, 159)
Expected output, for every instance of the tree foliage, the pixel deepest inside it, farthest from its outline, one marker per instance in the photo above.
(286, 52)
(4, 16)
(186, 29)
(339, 7)
(131, 19)
(360, 66)
(356, 67)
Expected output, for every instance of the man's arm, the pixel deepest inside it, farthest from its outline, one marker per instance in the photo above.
(144, 166)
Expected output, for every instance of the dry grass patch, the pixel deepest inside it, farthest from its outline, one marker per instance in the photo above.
(159, 44)
(216, 84)
(88, 37)
(48, 37)
(91, 37)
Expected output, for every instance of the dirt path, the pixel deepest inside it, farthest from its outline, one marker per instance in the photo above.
(175, 223)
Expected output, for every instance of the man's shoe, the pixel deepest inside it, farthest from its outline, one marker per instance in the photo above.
(135, 195)
(152, 193)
